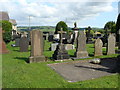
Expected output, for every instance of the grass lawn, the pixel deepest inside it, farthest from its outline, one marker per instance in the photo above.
(16, 73)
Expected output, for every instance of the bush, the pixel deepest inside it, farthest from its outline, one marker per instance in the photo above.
(7, 37)
(7, 28)
(60, 25)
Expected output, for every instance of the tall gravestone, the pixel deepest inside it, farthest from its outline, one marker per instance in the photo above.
(24, 43)
(36, 47)
(98, 47)
(81, 51)
(3, 49)
(60, 52)
(111, 44)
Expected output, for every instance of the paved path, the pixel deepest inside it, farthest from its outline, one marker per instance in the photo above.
(84, 70)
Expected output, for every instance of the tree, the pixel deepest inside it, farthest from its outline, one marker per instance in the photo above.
(117, 27)
(60, 25)
(7, 28)
(109, 27)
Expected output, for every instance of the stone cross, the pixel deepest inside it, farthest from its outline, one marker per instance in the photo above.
(98, 47)
(61, 32)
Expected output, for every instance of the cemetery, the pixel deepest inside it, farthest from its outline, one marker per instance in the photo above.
(63, 58)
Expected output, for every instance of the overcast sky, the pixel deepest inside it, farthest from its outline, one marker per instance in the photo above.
(94, 13)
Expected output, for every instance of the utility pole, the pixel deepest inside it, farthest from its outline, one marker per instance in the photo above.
(29, 23)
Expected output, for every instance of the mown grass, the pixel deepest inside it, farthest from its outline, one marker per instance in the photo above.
(16, 73)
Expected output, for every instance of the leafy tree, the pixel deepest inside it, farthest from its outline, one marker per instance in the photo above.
(60, 25)
(117, 27)
(6, 27)
(109, 27)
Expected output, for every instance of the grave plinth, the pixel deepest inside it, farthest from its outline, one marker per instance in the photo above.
(36, 47)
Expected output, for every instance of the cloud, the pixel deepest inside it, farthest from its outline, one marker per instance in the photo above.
(45, 12)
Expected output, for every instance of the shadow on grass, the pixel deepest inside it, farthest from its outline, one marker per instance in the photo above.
(22, 58)
(109, 63)
(19, 50)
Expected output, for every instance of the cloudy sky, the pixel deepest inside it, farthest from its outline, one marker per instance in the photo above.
(94, 13)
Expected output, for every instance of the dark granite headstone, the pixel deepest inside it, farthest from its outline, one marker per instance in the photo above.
(81, 51)
(24, 43)
(50, 38)
(36, 47)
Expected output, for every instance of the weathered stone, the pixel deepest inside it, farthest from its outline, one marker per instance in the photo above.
(60, 53)
(54, 46)
(111, 44)
(69, 46)
(3, 49)
(36, 47)
(98, 47)
(81, 51)
(24, 43)
(17, 42)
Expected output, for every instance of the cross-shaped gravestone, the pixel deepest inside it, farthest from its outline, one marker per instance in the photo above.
(61, 32)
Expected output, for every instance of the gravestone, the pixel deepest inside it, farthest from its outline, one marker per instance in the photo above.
(81, 51)
(24, 43)
(36, 47)
(54, 46)
(3, 49)
(69, 46)
(98, 47)
(17, 42)
(60, 52)
(111, 44)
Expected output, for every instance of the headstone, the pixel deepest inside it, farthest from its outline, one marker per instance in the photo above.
(98, 47)
(3, 49)
(36, 47)
(111, 44)
(17, 42)
(69, 46)
(54, 46)
(24, 43)
(60, 52)
(50, 38)
(81, 51)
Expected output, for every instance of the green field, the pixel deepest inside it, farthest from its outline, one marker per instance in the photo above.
(16, 73)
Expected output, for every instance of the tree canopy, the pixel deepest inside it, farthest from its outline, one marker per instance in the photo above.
(60, 25)
(117, 27)
(7, 28)
(110, 27)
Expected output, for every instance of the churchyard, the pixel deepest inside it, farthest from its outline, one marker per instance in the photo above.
(18, 73)
(60, 59)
